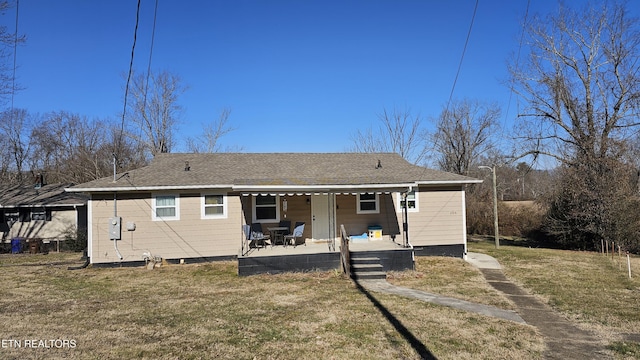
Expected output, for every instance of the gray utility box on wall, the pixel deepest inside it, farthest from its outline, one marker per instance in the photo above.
(115, 228)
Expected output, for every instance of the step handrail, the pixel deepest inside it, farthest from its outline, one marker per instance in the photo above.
(345, 257)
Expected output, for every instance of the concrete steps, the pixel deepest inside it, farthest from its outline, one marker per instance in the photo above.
(365, 267)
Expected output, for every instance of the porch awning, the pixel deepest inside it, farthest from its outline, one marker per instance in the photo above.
(314, 193)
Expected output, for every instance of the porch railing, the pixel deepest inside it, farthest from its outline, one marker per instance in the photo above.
(345, 258)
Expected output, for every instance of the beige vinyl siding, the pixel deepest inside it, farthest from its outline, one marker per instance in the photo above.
(62, 220)
(189, 237)
(356, 224)
(440, 219)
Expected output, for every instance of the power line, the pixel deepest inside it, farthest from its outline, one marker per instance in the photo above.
(153, 36)
(149, 206)
(464, 49)
(146, 87)
(126, 89)
(517, 65)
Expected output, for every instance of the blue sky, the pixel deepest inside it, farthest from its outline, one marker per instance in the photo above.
(298, 76)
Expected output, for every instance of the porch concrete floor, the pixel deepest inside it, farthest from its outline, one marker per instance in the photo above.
(322, 247)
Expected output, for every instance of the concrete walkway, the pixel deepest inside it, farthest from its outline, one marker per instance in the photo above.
(385, 287)
(563, 339)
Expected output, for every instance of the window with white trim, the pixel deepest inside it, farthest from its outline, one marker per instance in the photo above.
(214, 206)
(368, 204)
(166, 207)
(41, 214)
(412, 201)
(11, 216)
(265, 208)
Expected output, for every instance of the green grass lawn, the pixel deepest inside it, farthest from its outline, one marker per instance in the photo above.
(207, 311)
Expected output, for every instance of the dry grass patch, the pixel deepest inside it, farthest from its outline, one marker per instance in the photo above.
(455, 334)
(451, 277)
(207, 311)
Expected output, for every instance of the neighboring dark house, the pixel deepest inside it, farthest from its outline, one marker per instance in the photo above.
(43, 212)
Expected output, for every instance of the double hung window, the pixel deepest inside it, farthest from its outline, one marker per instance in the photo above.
(411, 200)
(265, 208)
(166, 207)
(214, 206)
(368, 204)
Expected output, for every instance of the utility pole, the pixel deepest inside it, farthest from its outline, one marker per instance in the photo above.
(495, 204)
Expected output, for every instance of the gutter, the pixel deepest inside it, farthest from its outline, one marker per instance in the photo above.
(275, 188)
(147, 188)
(449, 182)
(40, 206)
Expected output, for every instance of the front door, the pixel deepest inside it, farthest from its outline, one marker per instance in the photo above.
(320, 217)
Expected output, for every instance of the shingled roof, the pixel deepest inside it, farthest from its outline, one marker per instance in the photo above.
(49, 195)
(242, 171)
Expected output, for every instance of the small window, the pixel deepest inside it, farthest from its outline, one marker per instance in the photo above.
(166, 207)
(11, 216)
(265, 208)
(214, 206)
(412, 201)
(368, 204)
(38, 214)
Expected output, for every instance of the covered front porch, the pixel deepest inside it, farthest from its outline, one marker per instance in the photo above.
(321, 212)
(331, 216)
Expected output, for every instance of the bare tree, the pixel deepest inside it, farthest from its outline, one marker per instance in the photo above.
(153, 110)
(581, 84)
(464, 132)
(14, 133)
(399, 132)
(65, 147)
(8, 42)
(209, 141)
(68, 147)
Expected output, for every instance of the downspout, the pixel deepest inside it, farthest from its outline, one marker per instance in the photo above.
(464, 223)
(405, 215)
(405, 226)
(115, 208)
(83, 266)
(243, 236)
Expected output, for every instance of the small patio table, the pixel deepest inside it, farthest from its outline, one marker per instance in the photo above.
(277, 234)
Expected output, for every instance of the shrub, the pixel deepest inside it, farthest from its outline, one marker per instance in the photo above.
(74, 239)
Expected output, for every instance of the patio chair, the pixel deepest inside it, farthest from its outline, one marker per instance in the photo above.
(256, 231)
(254, 235)
(296, 237)
(287, 224)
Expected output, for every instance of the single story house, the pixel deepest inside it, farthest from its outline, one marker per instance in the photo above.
(195, 206)
(42, 212)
